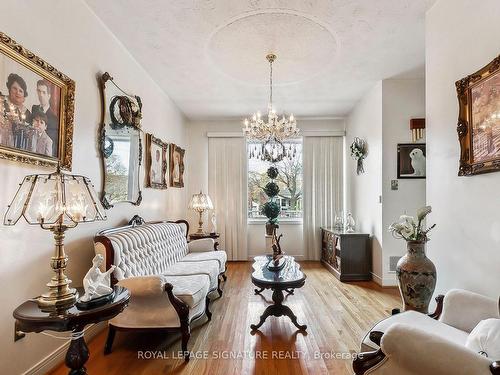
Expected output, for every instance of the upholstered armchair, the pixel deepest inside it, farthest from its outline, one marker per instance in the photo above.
(462, 337)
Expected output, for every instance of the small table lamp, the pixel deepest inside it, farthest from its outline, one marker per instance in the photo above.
(200, 203)
(56, 202)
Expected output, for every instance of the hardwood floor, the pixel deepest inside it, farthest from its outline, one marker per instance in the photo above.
(337, 315)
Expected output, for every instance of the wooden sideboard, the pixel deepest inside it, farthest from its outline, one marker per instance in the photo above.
(346, 255)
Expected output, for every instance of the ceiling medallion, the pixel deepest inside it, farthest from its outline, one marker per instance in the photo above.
(273, 131)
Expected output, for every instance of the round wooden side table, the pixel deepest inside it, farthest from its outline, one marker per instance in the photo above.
(29, 318)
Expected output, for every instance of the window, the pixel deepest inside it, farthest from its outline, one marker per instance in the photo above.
(289, 181)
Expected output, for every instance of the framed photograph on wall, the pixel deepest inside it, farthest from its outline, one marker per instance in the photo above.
(36, 108)
(176, 170)
(156, 162)
(411, 160)
(479, 120)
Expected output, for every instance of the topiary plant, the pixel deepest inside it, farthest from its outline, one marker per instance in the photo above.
(272, 210)
(271, 189)
(272, 172)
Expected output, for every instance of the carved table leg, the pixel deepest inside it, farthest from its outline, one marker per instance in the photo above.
(257, 291)
(289, 291)
(77, 354)
(278, 309)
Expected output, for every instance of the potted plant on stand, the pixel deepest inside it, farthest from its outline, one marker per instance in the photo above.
(271, 208)
(415, 272)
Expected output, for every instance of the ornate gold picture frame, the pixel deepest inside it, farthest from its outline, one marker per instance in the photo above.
(479, 120)
(156, 162)
(176, 169)
(36, 108)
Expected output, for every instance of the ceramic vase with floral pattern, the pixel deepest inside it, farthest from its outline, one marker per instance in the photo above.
(416, 277)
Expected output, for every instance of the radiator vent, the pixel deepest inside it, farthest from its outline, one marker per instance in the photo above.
(393, 261)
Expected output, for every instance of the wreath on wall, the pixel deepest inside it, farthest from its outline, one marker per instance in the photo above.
(359, 151)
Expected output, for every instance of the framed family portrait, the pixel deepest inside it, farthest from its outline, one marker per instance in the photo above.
(176, 169)
(156, 162)
(411, 160)
(479, 120)
(36, 108)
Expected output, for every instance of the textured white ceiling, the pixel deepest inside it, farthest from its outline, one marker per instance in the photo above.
(209, 55)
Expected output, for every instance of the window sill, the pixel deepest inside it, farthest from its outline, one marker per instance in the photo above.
(281, 222)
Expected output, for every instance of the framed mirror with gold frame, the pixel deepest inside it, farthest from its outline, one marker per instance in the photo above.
(36, 108)
(120, 144)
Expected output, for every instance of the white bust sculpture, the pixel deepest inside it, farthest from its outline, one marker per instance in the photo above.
(96, 283)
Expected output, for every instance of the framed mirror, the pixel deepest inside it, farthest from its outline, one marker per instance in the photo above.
(120, 144)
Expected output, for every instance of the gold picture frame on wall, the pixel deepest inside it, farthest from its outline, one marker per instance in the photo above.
(156, 162)
(176, 169)
(36, 108)
(479, 120)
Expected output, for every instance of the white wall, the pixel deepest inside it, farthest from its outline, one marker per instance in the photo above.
(402, 99)
(382, 118)
(461, 37)
(69, 36)
(197, 177)
(363, 191)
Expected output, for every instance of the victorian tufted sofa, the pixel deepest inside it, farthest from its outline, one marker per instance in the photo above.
(169, 279)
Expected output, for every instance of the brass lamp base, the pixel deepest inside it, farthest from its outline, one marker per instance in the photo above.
(60, 295)
(200, 223)
(57, 300)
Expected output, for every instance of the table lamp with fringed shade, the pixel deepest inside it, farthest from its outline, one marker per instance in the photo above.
(57, 202)
(200, 203)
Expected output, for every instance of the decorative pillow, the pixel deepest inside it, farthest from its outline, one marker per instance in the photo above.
(485, 339)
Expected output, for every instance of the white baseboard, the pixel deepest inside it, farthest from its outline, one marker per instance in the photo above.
(383, 282)
(377, 279)
(57, 356)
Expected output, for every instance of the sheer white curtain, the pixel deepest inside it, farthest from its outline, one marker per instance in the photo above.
(322, 188)
(227, 187)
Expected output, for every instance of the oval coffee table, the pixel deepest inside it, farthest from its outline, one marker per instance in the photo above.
(286, 279)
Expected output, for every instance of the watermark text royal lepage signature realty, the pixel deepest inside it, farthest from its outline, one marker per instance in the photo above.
(246, 354)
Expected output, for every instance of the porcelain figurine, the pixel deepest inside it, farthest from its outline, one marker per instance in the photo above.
(214, 223)
(95, 282)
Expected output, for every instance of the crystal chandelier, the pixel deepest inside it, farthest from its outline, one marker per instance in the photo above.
(275, 130)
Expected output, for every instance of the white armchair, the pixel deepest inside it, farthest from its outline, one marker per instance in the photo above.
(442, 343)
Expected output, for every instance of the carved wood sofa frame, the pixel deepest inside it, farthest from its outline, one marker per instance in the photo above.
(180, 307)
(365, 361)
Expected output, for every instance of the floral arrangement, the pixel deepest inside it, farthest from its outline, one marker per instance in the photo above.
(409, 229)
(359, 150)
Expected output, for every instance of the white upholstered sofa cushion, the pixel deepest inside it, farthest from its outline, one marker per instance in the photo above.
(207, 267)
(191, 289)
(418, 321)
(219, 256)
(485, 339)
(463, 309)
(148, 249)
